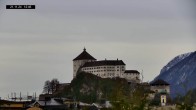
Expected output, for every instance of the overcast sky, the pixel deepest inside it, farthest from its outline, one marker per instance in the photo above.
(39, 45)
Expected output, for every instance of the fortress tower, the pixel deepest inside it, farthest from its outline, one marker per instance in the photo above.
(80, 60)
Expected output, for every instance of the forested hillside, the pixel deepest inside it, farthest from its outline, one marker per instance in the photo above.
(87, 87)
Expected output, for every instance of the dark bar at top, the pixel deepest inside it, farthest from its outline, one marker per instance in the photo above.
(20, 6)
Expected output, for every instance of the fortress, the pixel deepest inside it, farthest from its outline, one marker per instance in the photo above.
(103, 68)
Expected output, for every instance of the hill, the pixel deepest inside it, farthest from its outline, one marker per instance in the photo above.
(89, 88)
(180, 72)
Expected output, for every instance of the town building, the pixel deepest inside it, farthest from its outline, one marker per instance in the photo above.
(160, 86)
(13, 105)
(48, 104)
(162, 90)
(103, 68)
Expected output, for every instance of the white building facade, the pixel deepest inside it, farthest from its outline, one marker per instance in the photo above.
(132, 75)
(103, 68)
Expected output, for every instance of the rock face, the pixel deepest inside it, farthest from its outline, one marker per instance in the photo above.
(180, 73)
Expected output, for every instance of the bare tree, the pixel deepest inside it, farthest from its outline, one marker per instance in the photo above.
(47, 87)
(54, 85)
(51, 86)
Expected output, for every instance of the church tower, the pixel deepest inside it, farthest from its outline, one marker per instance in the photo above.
(80, 60)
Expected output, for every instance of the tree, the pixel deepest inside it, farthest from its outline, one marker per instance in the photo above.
(185, 102)
(129, 98)
(50, 86)
(47, 87)
(54, 85)
(138, 99)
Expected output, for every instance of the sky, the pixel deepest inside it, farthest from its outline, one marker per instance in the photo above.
(39, 45)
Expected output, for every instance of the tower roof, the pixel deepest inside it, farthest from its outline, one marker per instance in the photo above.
(84, 56)
(159, 82)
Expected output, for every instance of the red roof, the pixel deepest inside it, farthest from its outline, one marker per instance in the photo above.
(84, 56)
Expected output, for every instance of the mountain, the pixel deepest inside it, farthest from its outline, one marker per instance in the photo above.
(180, 73)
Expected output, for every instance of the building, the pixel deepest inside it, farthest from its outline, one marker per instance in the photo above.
(80, 60)
(163, 99)
(49, 104)
(132, 75)
(13, 105)
(103, 68)
(160, 86)
(162, 91)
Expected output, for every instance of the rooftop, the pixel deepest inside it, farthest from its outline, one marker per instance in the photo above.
(159, 82)
(104, 62)
(131, 71)
(84, 56)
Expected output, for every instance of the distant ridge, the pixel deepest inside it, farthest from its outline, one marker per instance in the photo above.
(180, 73)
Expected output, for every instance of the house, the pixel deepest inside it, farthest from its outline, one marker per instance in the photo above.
(132, 76)
(13, 105)
(103, 68)
(162, 91)
(34, 108)
(160, 86)
(49, 104)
